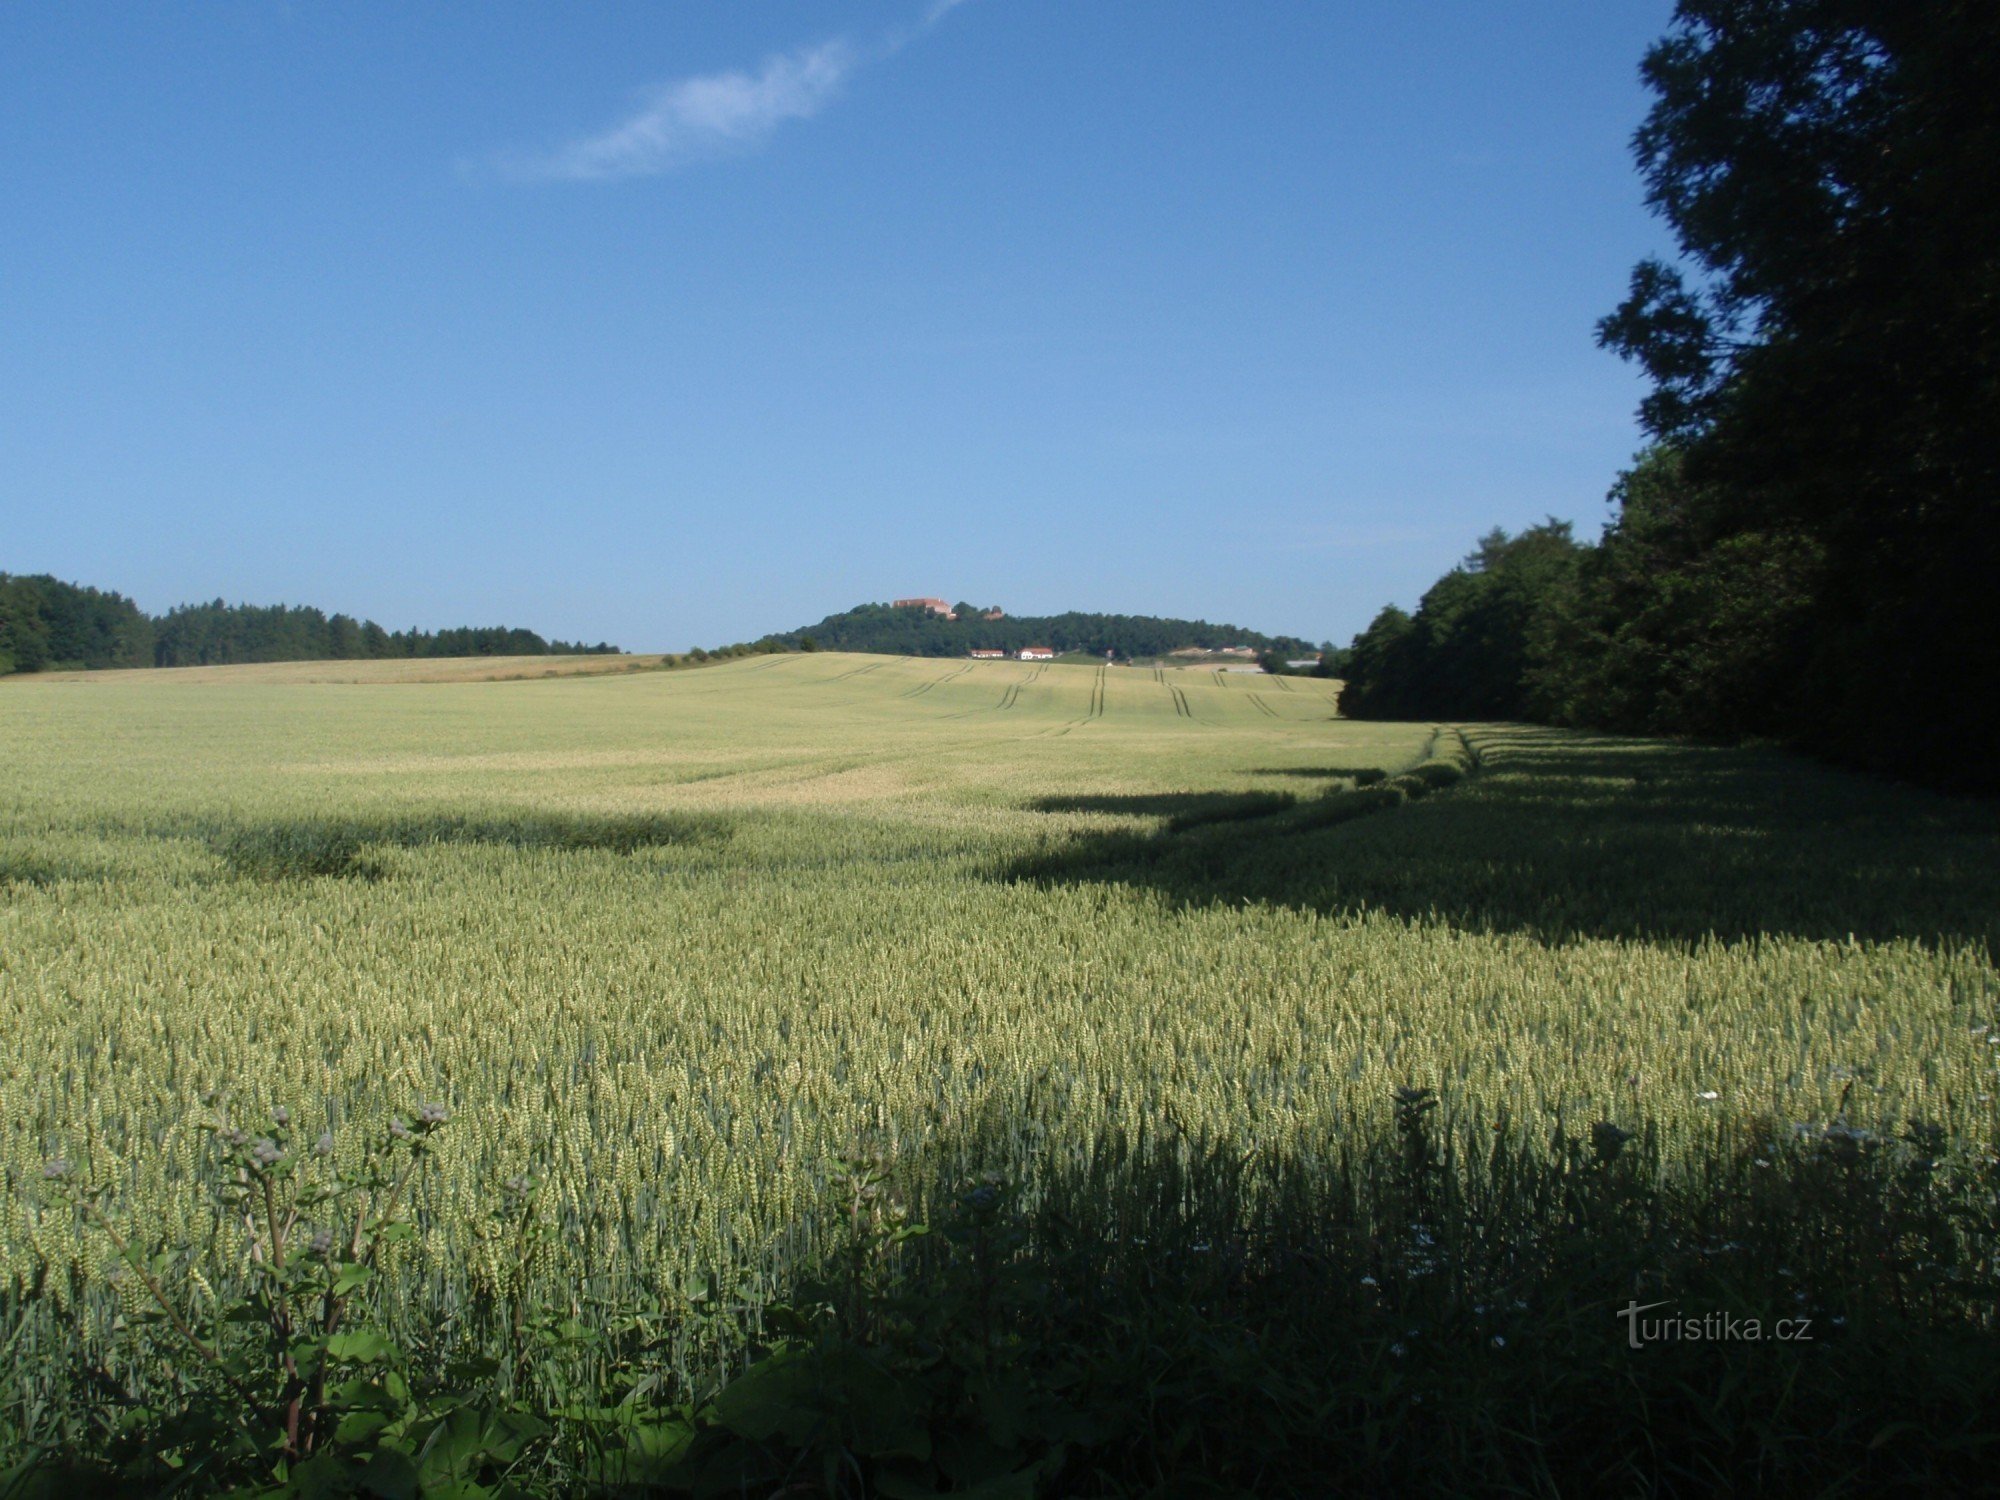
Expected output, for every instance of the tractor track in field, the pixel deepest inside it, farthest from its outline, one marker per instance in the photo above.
(1093, 710)
(1180, 702)
(873, 666)
(922, 688)
(1009, 696)
(1264, 708)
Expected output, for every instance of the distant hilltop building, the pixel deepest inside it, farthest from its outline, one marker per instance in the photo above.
(939, 607)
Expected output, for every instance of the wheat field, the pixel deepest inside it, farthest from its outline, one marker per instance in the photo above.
(672, 942)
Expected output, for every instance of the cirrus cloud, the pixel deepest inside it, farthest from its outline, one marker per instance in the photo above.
(711, 115)
(717, 114)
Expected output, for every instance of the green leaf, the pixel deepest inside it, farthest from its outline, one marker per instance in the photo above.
(648, 1455)
(325, 1477)
(777, 1397)
(357, 1427)
(350, 1277)
(362, 1395)
(390, 1476)
(362, 1345)
(660, 1441)
(805, 1396)
(472, 1370)
(470, 1438)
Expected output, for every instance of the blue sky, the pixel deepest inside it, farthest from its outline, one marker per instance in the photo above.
(675, 324)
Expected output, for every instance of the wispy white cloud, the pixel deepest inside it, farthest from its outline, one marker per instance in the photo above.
(718, 114)
(712, 115)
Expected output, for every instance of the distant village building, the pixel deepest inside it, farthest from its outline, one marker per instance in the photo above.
(988, 653)
(1239, 650)
(1189, 651)
(1037, 653)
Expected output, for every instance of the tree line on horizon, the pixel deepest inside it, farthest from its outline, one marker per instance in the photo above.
(911, 631)
(1806, 550)
(49, 625)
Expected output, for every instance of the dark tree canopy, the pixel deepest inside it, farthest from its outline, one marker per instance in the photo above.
(917, 632)
(49, 625)
(1828, 359)
(1807, 551)
(1464, 654)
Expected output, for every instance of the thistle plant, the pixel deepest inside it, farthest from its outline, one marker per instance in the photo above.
(300, 1351)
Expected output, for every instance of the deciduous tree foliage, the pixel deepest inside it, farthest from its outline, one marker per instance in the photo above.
(1808, 552)
(1465, 653)
(1829, 359)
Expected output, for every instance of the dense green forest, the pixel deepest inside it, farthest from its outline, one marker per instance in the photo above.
(1806, 551)
(49, 625)
(917, 632)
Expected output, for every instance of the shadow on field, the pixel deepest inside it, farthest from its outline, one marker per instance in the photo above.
(1180, 809)
(1429, 1304)
(1426, 1310)
(1317, 773)
(36, 871)
(307, 848)
(1567, 835)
